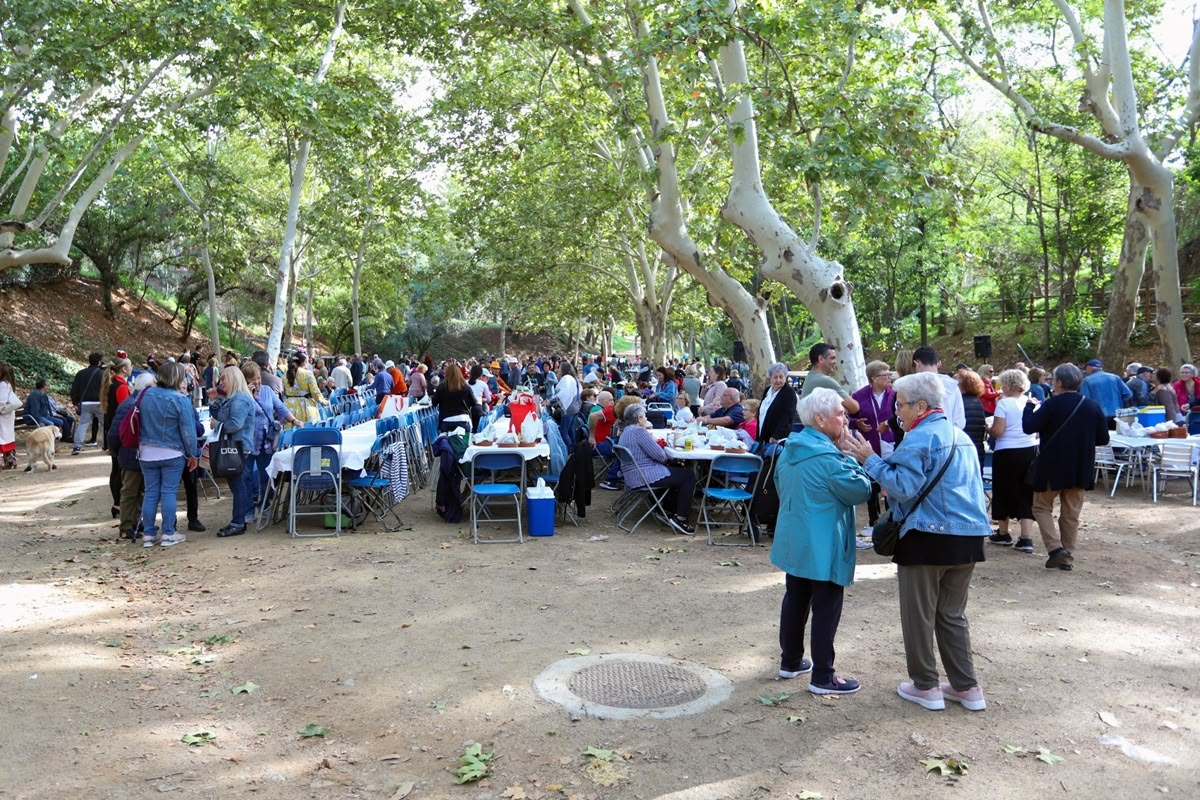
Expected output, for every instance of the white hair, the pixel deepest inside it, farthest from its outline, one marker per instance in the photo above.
(822, 401)
(920, 386)
(143, 380)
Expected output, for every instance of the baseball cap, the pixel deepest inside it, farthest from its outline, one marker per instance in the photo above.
(487, 373)
(1095, 362)
(389, 364)
(1144, 369)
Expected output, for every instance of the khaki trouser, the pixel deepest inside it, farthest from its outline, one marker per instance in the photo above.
(131, 500)
(933, 603)
(1070, 506)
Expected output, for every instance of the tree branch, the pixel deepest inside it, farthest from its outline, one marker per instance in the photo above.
(1191, 106)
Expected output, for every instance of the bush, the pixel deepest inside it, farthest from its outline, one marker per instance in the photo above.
(30, 363)
(1081, 329)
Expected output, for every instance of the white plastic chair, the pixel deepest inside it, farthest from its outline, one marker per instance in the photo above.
(1176, 460)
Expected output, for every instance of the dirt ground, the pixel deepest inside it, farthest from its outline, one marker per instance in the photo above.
(408, 646)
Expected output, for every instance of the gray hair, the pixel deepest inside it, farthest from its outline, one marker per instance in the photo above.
(822, 401)
(1014, 380)
(919, 386)
(143, 380)
(778, 366)
(633, 412)
(1069, 376)
(1192, 367)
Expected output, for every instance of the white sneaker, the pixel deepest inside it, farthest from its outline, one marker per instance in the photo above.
(149, 541)
(173, 539)
(863, 544)
(866, 532)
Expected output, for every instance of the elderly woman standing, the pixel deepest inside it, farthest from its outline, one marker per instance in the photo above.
(233, 410)
(815, 539)
(166, 447)
(652, 459)
(941, 540)
(1014, 452)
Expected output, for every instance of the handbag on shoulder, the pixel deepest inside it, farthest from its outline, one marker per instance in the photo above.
(885, 535)
(226, 457)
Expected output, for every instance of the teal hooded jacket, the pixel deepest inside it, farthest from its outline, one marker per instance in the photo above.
(818, 488)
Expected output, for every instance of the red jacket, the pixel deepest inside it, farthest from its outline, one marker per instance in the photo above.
(1182, 393)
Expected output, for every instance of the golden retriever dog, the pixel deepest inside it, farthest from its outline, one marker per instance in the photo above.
(39, 446)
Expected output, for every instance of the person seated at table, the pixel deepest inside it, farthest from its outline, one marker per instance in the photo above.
(652, 458)
(270, 415)
(747, 432)
(587, 402)
(683, 410)
(713, 391)
(455, 402)
(730, 414)
(600, 437)
(666, 389)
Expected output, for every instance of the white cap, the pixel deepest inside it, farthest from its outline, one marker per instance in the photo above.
(389, 364)
(487, 373)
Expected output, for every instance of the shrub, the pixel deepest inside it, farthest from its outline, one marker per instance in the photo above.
(30, 363)
(1081, 329)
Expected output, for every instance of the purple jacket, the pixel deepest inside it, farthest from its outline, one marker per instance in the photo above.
(873, 415)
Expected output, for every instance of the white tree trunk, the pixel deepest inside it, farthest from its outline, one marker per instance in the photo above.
(668, 229)
(816, 282)
(283, 286)
(214, 327)
(356, 280)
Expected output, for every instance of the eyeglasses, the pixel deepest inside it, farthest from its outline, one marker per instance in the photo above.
(907, 402)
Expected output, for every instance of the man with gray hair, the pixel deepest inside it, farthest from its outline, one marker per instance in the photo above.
(342, 379)
(269, 378)
(1071, 426)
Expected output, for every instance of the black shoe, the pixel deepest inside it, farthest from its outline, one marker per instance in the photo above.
(1024, 545)
(196, 525)
(681, 525)
(231, 530)
(1002, 539)
(1059, 559)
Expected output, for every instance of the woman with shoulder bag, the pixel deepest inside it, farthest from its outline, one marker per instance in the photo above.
(270, 415)
(941, 540)
(232, 407)
(166, 447)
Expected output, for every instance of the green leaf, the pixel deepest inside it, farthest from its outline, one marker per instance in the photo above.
(945, 766)
(313, 729)
(473, 764)
(1048, 757)
(438, 705)
(773, 699)
(579, 651)
(599, 754)
(198, 738)
(796, 718)
(246, 688)
(1014, 749)
(810, 796)
(729, 563)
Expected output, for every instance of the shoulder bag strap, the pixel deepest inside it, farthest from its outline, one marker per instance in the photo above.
(936, 478)
(1054, 435)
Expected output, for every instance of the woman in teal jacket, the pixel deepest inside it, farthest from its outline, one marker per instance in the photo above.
(818, 488)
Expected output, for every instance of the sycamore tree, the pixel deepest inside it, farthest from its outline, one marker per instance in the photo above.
(1139, 112)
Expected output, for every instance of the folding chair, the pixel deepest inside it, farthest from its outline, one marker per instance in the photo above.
(372, 488)
(634, 497)
(1109, 464)
(482, 492)
(1176, 460)
(726, 485)
(316, 470)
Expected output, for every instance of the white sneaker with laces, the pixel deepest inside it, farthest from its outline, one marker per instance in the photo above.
(863, 544)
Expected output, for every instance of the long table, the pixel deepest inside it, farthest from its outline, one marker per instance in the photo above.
(352, 453)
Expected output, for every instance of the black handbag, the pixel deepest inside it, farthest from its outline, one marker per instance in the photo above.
(226, 457)
(885, 535)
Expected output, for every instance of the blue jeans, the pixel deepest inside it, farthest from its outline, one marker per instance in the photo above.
(242, 488)
(161, 479)
(261, 484)
(66, 423)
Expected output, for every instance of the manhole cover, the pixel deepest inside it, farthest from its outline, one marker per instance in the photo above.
(628, 686)
(636, 684)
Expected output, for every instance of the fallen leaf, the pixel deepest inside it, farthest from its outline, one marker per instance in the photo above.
(246, 688)
(403, 790)
(313, 729)
(198, 738)
(795, 718)
(1015, 749)
(810, 796)
(515, 793)
(599, 754)
(1048, 757)
(945, 766)
(1109, 719)
(145, 687)
(579, 651)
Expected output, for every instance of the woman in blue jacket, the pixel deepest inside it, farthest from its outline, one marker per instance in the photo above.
(166, 447)
(232, 406)
(941, 540)
(818, 488)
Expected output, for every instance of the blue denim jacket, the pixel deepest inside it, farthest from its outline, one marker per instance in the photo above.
(956, 506)
(268, 408)
(166, 419)
(236, 415)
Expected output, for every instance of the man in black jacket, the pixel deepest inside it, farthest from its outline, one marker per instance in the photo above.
(1071, 426)
(85, 394)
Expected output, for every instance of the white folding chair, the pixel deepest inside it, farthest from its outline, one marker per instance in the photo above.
(1107, 464)
(1176, 460)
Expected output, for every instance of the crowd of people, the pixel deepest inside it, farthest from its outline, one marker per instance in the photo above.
(910, 444)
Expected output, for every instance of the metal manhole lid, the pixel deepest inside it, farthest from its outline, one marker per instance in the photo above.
(628, 686)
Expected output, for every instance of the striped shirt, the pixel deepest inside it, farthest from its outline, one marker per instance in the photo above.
(648, 455)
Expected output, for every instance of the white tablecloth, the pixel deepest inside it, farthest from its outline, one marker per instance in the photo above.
(356, 446)
(535, 451)
(1121, 440)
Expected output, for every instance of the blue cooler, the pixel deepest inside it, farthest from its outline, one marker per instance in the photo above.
(540, 513)
(1149, 416)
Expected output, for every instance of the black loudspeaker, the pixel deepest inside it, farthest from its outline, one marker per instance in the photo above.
(983, 347)
(739, 351)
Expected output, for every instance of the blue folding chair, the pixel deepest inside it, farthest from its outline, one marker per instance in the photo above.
(483, 492)
(316, 471)
(727, 485)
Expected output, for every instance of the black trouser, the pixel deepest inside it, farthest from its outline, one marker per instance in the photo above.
(873, 506)
(682, 484)
(190, 486)
(114, 479)
(824, 599)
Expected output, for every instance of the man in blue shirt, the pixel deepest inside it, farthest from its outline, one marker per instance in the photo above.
(730, 414)
(41, 406)
(1109, 391)
(382, 383)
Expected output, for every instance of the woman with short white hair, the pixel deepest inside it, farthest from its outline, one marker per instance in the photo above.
(652, 459)
(941, 540)
(815, 538)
